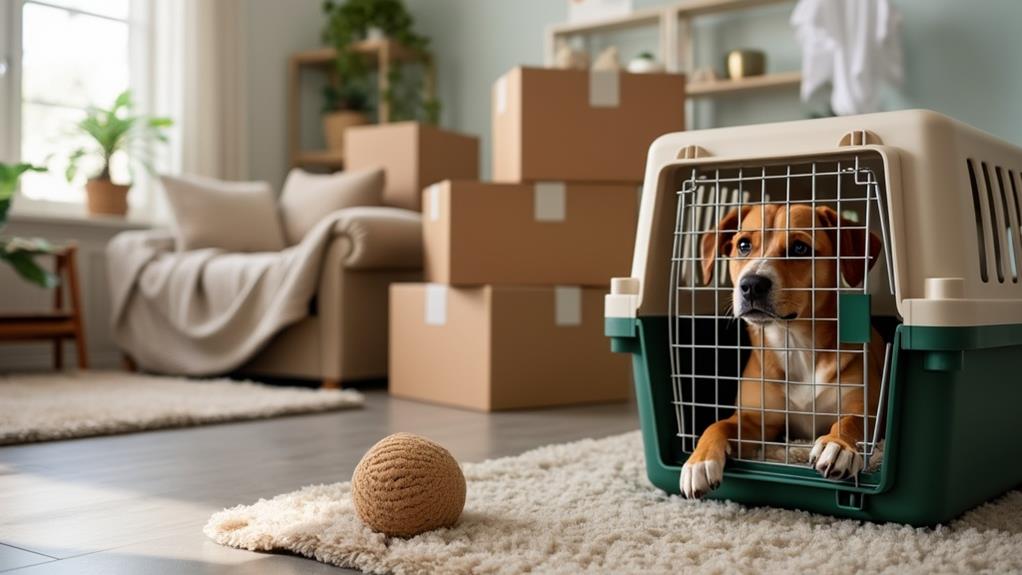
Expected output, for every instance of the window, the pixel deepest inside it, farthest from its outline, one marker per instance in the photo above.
(69, 55)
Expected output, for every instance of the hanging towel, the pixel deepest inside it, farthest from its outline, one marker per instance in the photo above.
(854, 45)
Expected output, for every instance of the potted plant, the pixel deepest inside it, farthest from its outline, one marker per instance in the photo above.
(114, 131)
(644, 63)
(356, 20)
(344, 106)
(20, 253)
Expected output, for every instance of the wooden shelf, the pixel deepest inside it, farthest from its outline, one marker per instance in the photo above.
(690, 8)
(635, 19)
(319, 158)
(723, 87)
(382, 55)
(372, 48)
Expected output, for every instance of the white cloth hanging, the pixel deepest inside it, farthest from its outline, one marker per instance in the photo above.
(854, 45)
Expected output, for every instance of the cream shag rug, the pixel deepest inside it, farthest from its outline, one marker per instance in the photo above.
(60, 406)
(587, 507)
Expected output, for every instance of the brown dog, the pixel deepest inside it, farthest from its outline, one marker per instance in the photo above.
(776, 261)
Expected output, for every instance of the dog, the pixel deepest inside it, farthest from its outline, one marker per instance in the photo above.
(773, 256)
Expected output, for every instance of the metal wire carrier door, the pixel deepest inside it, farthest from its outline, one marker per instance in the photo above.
(806, 227)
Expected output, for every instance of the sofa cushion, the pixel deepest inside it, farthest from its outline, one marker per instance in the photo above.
(232, 216)
(308, 198)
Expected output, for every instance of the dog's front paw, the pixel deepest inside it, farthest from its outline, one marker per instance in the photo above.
(835, 457)
(702, 473)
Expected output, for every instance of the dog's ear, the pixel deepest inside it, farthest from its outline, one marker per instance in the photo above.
(858, 254)
(717, 242)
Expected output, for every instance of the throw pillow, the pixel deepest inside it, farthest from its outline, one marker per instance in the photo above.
(232, 216)
(308, 198)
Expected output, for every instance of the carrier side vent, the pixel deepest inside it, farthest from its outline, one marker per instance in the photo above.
(981, 234)
(998, 217)
(1017, 202)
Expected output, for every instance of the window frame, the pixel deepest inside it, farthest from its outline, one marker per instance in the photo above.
(141, 77)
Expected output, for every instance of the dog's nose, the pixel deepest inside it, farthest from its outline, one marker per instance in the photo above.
(755, 286)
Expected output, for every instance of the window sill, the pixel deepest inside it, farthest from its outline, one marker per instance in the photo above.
(75, 216)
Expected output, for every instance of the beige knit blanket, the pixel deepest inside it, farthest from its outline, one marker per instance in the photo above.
(206, 312)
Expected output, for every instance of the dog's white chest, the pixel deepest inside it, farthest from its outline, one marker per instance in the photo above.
(804, 397)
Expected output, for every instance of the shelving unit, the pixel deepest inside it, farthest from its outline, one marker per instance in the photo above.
(723, 87)
(381, 53)
(674, 24)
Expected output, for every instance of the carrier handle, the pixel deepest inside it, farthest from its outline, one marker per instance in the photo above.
(693, 152)
(859, 138)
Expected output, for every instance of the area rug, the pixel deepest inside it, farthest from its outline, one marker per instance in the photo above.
(587, 507)
(79, 404)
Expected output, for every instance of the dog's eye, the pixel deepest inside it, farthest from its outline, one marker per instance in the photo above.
(744, 246)
(800, 249)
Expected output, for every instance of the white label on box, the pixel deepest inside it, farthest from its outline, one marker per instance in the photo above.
(436, 304)
(549, 201)
(567, 305)
(501, 89)
(604, 88)
(433, 193)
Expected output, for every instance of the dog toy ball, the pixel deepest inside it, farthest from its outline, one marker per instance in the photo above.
(406, 485)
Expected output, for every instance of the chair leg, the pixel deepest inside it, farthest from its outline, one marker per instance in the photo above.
(58, 354)
(330, 383)
(76, 310)
(128, 364)
(58, 306)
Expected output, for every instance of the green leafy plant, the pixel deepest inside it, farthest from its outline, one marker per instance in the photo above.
(349, 22)
(346, 96)
(116, 130)
(20, 253)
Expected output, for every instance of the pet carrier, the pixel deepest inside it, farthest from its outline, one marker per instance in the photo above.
(877, 300)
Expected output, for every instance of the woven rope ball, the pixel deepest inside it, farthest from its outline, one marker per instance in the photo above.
(406, 485)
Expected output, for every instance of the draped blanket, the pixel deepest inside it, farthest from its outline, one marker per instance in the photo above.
(206, 311)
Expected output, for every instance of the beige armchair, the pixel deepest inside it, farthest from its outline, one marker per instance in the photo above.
(345, 336)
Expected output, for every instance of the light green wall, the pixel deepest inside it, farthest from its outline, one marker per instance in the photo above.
(962, 58)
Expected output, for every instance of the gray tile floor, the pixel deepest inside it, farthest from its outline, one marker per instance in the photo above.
(137, 503)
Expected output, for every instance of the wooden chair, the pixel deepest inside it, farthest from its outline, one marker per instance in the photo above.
(58, 324)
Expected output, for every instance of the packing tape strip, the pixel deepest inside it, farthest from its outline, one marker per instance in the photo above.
(567, 305)
(436, 304)
(604, 88)
(501, 89)
(433, 198)
(549, 201)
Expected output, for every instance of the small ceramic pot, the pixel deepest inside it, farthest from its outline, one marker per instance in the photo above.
(335, 124)
(103, 197)
(745, 63)
(644, 66)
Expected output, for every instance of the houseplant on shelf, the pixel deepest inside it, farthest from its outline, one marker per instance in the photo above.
(344, 105)
(355, 20)
(20, 253)
(114, 131)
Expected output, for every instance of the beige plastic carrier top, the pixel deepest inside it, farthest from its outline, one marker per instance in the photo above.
(950, 198)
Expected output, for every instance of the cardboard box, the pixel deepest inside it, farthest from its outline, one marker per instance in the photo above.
(579, 125)
(529, 234)
(414, 155)
(491, 347)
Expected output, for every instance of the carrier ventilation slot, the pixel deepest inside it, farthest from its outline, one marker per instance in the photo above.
(1018, 220)
(998, 217)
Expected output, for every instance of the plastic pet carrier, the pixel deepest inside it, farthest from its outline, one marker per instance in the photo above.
(852, 279)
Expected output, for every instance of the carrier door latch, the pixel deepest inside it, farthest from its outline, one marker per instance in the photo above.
(853, 318)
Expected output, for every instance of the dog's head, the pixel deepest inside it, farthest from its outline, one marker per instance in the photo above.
(776, 260)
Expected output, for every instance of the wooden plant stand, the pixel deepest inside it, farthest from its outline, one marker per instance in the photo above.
(58, 324)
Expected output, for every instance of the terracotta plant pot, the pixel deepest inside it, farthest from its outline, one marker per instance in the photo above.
(106, 198)
(335, 123)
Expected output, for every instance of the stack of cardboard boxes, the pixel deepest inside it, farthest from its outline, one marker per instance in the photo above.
(512, 314)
